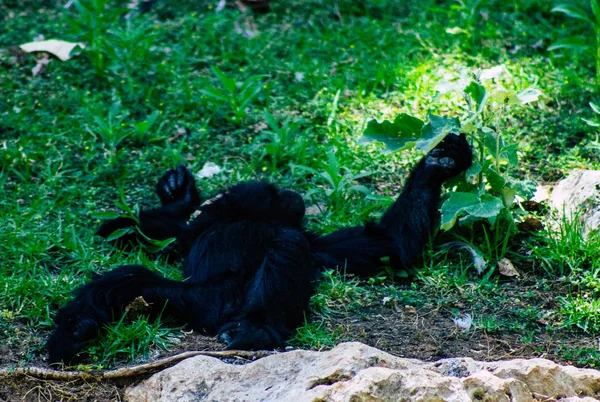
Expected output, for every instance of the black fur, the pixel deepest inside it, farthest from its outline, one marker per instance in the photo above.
(250, 264)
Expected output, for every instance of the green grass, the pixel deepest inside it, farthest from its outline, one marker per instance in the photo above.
(562, 250)
(316, 335)
(131, 341)
(582, 356)
(197, 89)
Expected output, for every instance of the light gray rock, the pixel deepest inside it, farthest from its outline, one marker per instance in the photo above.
(579, 193)
(355, 372)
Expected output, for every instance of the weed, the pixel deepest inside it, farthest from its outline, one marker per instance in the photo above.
(131, 340)
(580, 355)
(132, 213)
(338, 183)
(128, 49)
(563, 250)
(336, 291)
(581, 312)
(487, 189)
(592, 17)
(315, 336)
(92, 24)
(281, 144)
(237, 96)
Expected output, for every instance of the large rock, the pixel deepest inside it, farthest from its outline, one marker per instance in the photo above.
(355, 372)
(579, 193)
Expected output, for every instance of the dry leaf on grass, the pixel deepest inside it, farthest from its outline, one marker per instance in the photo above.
(59, 48)
(208, 170)
(138, 306)
(530, 224)
(506, 267)
(410, 310)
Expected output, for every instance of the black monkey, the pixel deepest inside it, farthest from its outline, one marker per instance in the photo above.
(250, 263)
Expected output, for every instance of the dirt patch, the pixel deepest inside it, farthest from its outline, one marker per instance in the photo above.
(433, 335)
(518, 321)
(33, 389)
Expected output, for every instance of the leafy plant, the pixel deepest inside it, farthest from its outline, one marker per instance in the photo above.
(339, 182)
(581, 312)
(487, 188)
(128, 49)
(593, 123)
(580, 356)
(93, 20)
(112, 129)
(132, 213)
(237, 97)
(315, 336)
(563, 249)
(131, 340)
(592, 17)
(280, 144)
(335, 289)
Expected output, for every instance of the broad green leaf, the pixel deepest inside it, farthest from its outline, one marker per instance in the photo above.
(595, 107)
(504, 97)
(468, 127)
(525, 188)
(361, 189)
(509, 153)
(454, 205)
(495, 180)
(119, 233)
(162, 243)
(529, 95)
(155, 246)
(572, 11)
(488, 207)
(492, 141)
(401, 134)
(435, 130)
(248, 95)
(573, 42)
(106, 215)
(477, 92)
(472, 172)
(141, 127)
(596, 9)
(271, 121)
(508, 196)
(271, 149)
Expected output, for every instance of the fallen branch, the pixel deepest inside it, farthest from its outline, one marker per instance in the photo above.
(142, 369)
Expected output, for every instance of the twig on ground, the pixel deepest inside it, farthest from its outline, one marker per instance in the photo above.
(142, 369)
